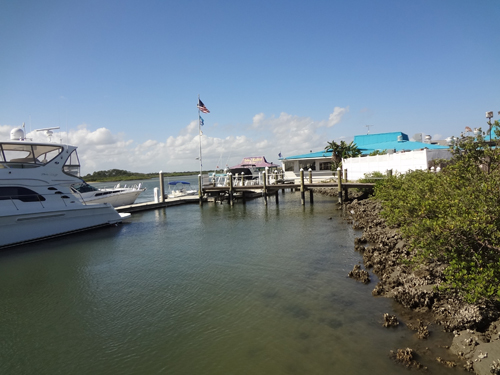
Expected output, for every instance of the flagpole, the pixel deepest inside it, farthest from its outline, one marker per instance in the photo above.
(199, 135)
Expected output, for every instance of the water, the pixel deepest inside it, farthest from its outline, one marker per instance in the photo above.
(247, 289)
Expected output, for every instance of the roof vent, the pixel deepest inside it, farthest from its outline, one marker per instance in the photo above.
(400, 138)
(427, 139)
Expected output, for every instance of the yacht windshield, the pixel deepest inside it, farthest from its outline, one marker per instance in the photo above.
(72, 165)
(83, 188)
(27, 155)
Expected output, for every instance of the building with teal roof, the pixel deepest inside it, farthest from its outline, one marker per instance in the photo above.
(390, 143)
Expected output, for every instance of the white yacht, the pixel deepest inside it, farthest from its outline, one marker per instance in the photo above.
(117, 196)
(36, 200)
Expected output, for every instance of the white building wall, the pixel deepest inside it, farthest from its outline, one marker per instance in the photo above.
(400, 162)
(318, 176)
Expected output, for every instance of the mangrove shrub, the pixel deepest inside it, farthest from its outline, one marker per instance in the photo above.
(453, 217)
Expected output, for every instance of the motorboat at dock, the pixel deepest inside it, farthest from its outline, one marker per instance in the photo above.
(117, 196)
(36, 200)
(247, 173)
(179, 189)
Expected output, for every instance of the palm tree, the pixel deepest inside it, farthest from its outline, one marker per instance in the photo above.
(349, 150)
(341, 151)
(334, 147)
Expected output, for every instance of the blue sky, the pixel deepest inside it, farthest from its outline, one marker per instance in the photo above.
(121, 78)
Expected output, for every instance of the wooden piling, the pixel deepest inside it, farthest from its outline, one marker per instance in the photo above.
(264, 186)
(345, 175)
(302, 187)
(230, 188)
(162, 188)
(339, 186)
(311, 199)
(200, 190)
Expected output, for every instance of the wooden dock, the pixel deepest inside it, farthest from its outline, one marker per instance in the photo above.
(137, 207)
(232, 193)
(274, 187)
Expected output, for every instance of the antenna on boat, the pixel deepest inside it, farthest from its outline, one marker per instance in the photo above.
(48, 131)
(17, 134)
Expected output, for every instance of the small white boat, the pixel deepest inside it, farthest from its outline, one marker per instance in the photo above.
(218, 179)
(36, 200)
(180, 189)
(116, 196)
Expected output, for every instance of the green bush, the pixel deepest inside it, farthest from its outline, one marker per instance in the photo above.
(377, 152)
(453, 217)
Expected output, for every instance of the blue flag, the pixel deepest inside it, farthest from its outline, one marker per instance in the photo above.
(201, 121)
(279, 155)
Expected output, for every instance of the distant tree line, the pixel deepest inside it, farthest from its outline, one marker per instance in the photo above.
(123, 175)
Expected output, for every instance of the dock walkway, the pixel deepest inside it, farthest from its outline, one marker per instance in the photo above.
(136, 207)
(210, 193)
(274, 187)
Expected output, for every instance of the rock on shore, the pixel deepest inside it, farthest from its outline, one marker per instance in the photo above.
(476, 328)
(384, 253)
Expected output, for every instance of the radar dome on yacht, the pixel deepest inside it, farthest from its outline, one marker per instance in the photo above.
(16, 134)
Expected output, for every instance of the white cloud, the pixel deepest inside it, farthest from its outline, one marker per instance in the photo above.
(336, 116)
(102, 149)
(257, 119)
(5, 131)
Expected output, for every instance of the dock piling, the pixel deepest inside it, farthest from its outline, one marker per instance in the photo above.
(302, 187)
(339, 181)
(311, 199)
(162, 187)
(200, 190)
(264, 186)
(231, 188)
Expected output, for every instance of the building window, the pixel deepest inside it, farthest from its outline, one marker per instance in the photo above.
(325, 166)
(289, 166)
(306, 166)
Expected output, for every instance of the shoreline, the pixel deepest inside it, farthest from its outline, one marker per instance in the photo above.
(475, 345)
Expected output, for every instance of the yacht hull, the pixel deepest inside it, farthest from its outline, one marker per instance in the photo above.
(124, 198)
(27, 227)
(36, 198)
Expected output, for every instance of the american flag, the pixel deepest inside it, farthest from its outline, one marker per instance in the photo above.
(202, 107)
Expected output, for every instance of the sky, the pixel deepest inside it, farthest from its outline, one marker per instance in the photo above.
(121, 78)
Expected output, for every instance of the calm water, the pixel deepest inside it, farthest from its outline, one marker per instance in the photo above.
(247, 289)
